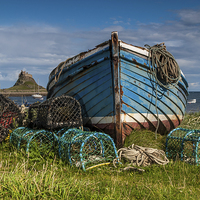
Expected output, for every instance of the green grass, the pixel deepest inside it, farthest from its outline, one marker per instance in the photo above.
(35, 177)
(191, 121)
(28, 85)
(146, 138)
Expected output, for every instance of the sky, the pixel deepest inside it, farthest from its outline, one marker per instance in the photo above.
(35, 36)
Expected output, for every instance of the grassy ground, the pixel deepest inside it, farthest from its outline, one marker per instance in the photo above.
(28, 86)
(35, 177)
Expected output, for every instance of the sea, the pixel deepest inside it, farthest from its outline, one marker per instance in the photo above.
(193, 107)
(190, 108)
(27, 100)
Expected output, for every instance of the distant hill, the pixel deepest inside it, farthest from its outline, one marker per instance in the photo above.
(25, 85)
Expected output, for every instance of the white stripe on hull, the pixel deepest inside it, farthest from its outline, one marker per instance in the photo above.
(131, 117)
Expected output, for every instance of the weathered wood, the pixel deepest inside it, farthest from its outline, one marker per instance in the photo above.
(117, 98)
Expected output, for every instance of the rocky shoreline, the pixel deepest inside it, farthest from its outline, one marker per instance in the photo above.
(19, 94)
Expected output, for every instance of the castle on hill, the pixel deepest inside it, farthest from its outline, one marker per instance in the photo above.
(24, 77)
(24, 74)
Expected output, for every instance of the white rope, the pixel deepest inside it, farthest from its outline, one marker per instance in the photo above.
(141, 156)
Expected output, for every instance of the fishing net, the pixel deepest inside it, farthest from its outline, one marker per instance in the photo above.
(184, 144)
(79, 148)
(32, 115)
(57, 112)
(33, 141)
(10, 116)
(3, 133)
(83, 148)
(57, 121)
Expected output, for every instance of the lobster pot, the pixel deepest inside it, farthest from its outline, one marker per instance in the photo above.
(9, 111)
(3, 133)
(9, 114)
(83, 148)
(33, 141)
(58, 112)
(32, 114)
(17, 134)
(184, 144)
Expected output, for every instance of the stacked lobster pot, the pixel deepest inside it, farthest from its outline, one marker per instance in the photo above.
(32, 115)
(56, 124)
(55, 113)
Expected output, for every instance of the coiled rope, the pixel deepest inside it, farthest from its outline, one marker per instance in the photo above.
(165, 70)
(141, 156)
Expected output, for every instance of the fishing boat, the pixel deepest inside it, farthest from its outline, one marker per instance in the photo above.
(192, 101)
(37, 95)
(122, 87)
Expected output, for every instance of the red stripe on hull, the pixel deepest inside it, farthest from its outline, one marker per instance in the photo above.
(109, 128)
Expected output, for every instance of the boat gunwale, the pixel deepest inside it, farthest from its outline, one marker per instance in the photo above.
(75, 64)
(141, 51)
(103, 46)
(81, 57)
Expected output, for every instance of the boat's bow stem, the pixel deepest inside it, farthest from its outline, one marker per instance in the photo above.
(116, 83)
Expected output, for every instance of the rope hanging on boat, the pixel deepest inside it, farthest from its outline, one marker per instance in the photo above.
(164, 68)
(141, 156)
(62, 64)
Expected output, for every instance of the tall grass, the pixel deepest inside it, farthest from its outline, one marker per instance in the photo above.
(191, 121)
(36, 177)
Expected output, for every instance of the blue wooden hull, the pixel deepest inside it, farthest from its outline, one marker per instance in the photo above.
(114, 85)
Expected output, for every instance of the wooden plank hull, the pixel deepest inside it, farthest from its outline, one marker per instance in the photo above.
(114, 85)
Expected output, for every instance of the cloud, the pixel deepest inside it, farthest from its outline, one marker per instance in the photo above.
(40, 48)
(113, 28)
(181, 38)
(117, 22)
(189, 16)
(7, 76)
(195, 86)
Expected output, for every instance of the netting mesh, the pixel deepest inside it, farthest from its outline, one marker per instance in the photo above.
(33, 141)
(184, 144)
(79, 148)
(55, 125)
(32, 115)
(82, 148)
(57, 112)
(3, 133)
(9, 116)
